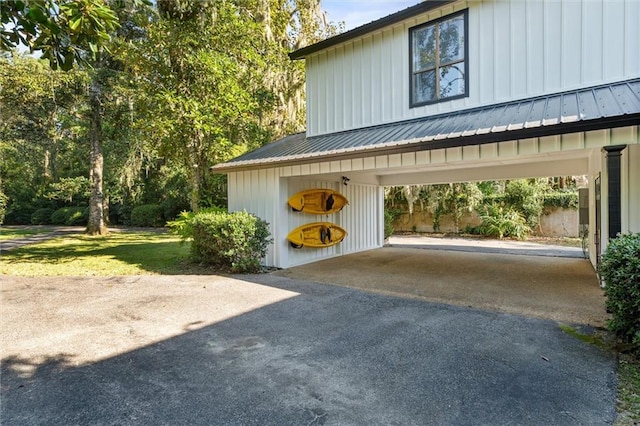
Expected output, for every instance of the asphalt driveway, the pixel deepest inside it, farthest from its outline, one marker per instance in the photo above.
(266, 349)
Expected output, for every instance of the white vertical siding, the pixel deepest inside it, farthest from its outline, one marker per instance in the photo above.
(516, 49)
(551, 35)
(255, 192)
(631, 192)
(571, 37)
(360, 218)
(518, 38)
(631, 37)
(501, 42)
(595, 169)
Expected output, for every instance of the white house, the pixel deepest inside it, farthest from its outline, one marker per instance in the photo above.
(451, 91)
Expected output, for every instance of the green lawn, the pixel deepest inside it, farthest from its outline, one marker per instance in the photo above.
(628, 392)
(120, 253)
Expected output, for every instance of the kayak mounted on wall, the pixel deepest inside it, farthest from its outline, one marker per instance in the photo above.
(316, 235)
(318, 201)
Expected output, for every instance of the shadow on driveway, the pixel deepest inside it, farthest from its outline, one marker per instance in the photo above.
(268, 350)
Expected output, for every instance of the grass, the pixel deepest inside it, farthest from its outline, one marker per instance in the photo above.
(628, 403)
(628, 392)
(122, 253)
(591, 339)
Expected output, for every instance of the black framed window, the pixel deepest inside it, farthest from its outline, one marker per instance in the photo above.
(438, 55)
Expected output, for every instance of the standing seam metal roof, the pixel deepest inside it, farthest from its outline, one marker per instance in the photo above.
(609, 105)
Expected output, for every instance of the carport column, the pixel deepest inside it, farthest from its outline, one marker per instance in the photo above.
(614, 154)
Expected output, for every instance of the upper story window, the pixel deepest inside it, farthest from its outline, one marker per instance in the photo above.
(438, 54)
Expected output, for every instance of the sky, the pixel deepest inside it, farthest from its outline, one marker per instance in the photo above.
(358, 12)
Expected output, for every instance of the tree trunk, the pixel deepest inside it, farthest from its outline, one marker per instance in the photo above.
(195, 188)
(96, 225)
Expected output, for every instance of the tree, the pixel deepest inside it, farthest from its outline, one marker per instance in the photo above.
(170, 91)
(200, 67)
(218, 80)
(66, 31)
(40, 133)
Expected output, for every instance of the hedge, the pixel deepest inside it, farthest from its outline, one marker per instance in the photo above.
(70, 216)
(42, 216)
(620, 270)
(237, 241)
(147, 215)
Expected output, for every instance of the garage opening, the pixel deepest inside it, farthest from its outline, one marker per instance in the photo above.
(542, 210)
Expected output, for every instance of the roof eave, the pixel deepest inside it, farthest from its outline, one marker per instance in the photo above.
(394, 18)
(481, 139)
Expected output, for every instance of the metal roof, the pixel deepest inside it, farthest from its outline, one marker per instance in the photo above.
(407, 13)
(592, 108)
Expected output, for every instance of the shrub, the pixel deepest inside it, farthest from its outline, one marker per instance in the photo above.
(390, 215)
(41, 216)
(147, 215)
(70, 216)
(171, 208)
(620, 270)
(237, 241)
(78, 216)
(499, 221)
(526, 197)
(564, 199)
(18, 214)
(183, 224)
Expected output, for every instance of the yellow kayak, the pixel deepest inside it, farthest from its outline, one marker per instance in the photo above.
(316, 235)
(318, 201)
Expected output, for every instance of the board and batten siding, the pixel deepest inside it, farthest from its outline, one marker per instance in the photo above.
(265, 192)
(630, 185)
(517, 49)
(254, 192)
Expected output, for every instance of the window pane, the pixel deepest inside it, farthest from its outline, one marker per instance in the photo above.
(424, 48)
(452, 80)
(424, 87)
(452, 40)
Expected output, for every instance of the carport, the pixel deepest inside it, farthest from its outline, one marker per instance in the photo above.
(590, 131)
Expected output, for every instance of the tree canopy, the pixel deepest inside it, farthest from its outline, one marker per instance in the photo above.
(66, 31)
(158, 93)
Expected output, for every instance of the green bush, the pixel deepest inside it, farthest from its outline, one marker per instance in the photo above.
(620, 270)
(147, 215)
(564, 199)
(525, 197)
(70, 216)
(183, 224)
(41, 216)
(390, 215)
(79, 216)
(237, 241)
(499, 221)
(19, 213)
